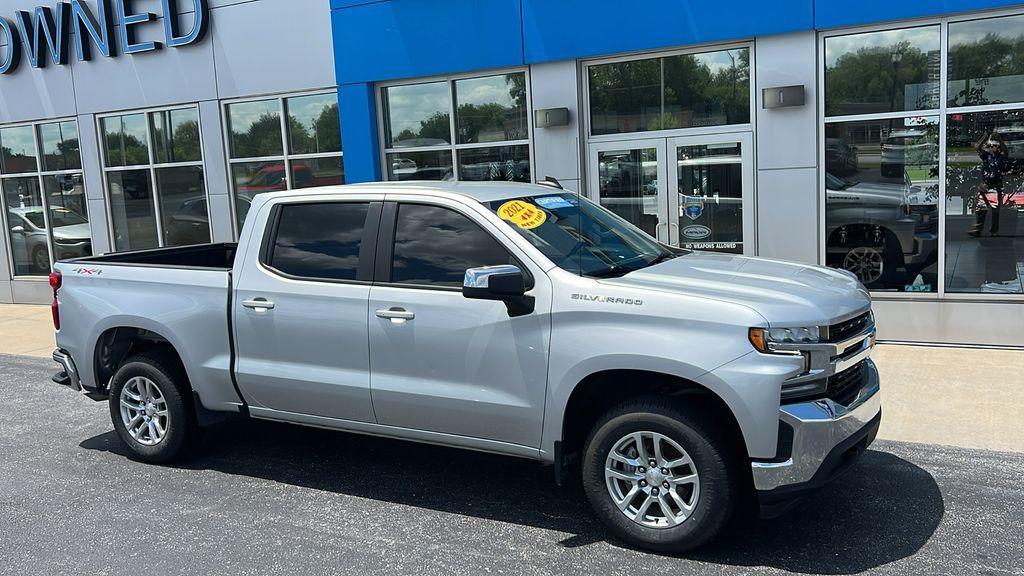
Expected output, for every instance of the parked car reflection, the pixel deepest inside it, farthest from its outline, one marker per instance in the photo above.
(884, 232)
(71, 237)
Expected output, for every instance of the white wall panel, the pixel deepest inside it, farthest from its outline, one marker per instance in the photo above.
(787, 137)
(556, 149)
(36, 291)
(787, 214)
(950, 322)
(6, 297)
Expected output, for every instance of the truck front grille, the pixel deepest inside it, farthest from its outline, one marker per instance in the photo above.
(847, 328)
(841, 388)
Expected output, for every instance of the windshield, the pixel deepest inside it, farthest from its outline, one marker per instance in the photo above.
(580, 236)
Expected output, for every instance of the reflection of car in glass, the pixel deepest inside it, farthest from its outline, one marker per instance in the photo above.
(71, 236)
(840, 156)
(403, 164)
(904, 148)
(273, 178)
(499, 170)
(630, 188)
(876, 229)
(190, 223)
(427, 173)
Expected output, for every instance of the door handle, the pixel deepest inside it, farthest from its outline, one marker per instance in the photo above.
(258, 304)
(396, 314)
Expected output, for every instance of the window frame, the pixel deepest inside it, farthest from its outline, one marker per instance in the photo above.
(367, 244)
(453, 147)
(384, 260)
(152, 167)
(40, 174)
(667, 132)
(943, 112)
(286, 157)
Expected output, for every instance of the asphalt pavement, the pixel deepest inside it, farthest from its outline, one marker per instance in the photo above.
(266, 498)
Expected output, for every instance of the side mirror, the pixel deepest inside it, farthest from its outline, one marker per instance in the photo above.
(18, 229)
(506, 283)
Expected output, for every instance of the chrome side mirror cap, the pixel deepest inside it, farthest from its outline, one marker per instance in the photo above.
(505, 282)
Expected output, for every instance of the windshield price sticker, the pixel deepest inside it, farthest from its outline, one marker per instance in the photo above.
(553, 202)
(522, 214)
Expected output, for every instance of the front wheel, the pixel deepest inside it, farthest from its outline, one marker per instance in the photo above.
(659, 477)
(150, 407)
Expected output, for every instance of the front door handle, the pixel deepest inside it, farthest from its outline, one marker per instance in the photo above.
(258, 304)
(396, 314)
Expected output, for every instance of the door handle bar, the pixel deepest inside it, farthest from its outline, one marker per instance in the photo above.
(395, 314)
(258, 304)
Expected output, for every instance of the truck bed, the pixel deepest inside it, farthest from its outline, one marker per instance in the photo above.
(219, 256)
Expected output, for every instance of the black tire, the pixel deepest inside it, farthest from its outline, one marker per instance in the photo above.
(710, 451)
(173, 386)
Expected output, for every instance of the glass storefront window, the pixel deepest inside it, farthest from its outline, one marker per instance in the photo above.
(255, 128)
(680, 91)
(710, 184)
(127, 140)
(628, 185)
(985, 202)
(176, 136)
(881, 208)
(60, 146)
(986, 61)
(263, 159)
(18, 150)
(492, 110)
(158, 202)
(43, 201)
(314, 124)
(885, 71)
(417, 115)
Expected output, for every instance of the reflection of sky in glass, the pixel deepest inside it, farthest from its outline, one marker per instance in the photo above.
(53, 134)
(306, 109)
(244, 114)
(721, 60)
(967, 32)
(408, 105)
(925, 39)
(19, 140)
(480, 91)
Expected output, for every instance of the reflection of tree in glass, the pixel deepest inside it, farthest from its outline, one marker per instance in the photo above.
(184, 139)
(435, 129)
(127, 147)
(875, 79)
(322, 135)
(695, 95)
(989, 57)
(66, 157)
(263, 138)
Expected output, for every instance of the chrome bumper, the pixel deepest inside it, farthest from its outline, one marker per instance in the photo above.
(70, 376)
(819, 428)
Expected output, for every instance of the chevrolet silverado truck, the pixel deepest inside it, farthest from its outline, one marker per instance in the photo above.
(511, 318)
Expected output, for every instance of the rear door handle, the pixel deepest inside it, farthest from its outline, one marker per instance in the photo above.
(396, 314)
(258, 304)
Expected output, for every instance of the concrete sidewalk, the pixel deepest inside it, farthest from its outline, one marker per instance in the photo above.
(965, 397)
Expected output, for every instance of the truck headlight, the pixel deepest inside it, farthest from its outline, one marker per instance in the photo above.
(763, 338)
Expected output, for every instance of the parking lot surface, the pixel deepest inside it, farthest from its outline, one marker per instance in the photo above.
(264, 498)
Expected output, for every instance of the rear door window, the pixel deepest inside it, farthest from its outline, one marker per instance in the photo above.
(319, 240)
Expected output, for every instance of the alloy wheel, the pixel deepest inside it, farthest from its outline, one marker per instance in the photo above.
(866, 262)
(652, 480)
(144, 411)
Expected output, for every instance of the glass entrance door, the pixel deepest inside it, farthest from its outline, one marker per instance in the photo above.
(693, 191)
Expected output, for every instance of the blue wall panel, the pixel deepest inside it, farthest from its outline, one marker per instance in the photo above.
(359, 132)
(833, 14)
(408, 38)
(560, 29)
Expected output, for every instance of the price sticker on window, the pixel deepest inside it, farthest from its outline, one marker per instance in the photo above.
(522, 214)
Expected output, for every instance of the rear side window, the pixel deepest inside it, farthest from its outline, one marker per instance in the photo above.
(435, 246)
(319, 240)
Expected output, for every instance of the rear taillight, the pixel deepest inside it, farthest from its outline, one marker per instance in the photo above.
(55, 281)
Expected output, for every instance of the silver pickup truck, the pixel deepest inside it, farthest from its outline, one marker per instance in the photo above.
(510, 318)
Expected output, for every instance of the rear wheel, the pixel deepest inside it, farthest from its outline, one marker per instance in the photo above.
(659, 477)
(150, 406)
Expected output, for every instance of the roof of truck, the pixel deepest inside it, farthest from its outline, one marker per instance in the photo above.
(480, 191)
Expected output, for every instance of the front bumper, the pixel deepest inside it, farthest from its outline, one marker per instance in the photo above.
(827, 438)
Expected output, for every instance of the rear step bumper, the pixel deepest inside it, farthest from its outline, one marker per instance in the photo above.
(69, 376)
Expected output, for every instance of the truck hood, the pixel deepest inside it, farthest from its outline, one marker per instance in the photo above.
(784, 293)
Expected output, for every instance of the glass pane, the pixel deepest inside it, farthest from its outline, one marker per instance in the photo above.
(26, 224)
(707, 89)
(986, 61)
(417, 115)
(887, 71)
(710, 178)
(176, 136)
(313, 124)
(72, 237)
(628, 186)
(506, 163)
(125, 138)
(252, 178)
(436, 246)
(183, 205)
(985, 202)
(881, 202)
(320, 240)
(491, 109)
(131, 210)
(255, 129)
(18, 150)
(433, 165)
(318, 172)
(625, 97)
(60, 146)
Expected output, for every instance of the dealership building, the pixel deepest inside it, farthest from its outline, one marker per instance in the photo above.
(886, 138)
